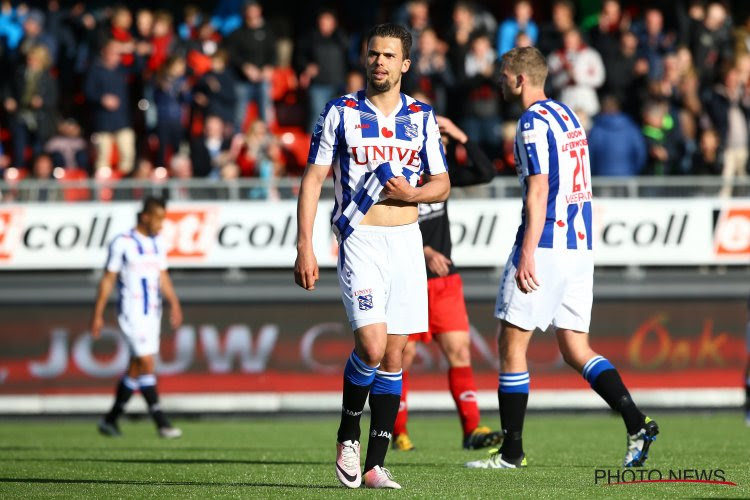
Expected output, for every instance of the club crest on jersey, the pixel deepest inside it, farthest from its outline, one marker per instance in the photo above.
(365, 302)
(411, 130)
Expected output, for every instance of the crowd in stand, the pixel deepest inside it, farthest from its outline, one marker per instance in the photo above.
(149, 93)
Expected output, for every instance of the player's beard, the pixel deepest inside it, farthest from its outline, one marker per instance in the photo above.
(381, 87)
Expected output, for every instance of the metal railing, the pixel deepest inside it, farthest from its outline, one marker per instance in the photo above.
(29, 191)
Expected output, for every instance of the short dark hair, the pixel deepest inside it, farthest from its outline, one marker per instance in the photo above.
(390, 30)
(150, 203)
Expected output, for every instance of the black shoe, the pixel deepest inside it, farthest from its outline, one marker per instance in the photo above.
(482, 437)
(107, 428)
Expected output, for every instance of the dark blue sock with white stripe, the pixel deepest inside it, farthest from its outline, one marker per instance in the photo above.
(606, 381)
(148, 390)
(512, 396)
(125, 388)
(385, 396)
(358, 378)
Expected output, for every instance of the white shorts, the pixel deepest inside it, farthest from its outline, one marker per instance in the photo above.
(141, 333)
(383, 278)
(563, 298)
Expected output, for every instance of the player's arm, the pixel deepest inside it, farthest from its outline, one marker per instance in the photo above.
(536, 214)
(106, 284)
(434, 188)
(167, 289)
(306, 271)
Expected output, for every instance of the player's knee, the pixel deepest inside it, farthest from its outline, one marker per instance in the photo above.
(372, 355)
(459, 355)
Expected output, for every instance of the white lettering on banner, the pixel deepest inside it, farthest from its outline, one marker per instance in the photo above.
(262, 234)
(307, 351)
(238, 343)
(732, 235)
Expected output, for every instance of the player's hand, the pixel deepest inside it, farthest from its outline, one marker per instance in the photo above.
(175, 316)
(306, 271)
(526, 279)
(97, 322)
(436, 262)
(398, 188)
(449, 128)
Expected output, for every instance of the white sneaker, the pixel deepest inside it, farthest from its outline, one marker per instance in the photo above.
(380, 477)
(496, 461)
(170, 432)
(347, 464)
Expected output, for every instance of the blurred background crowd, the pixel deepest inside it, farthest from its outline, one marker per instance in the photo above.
(231, 88)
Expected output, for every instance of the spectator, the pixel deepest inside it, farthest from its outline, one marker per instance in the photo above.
(711, 46)
(729, 109)
(41, 170)
(653, 42)
(106, 89)
(521, 22)
(626, 75)
(355, 81)
(551, 34)
(575, 72)
(616, 144)
(170, 96)
(162, 41)
(34, 35)
(214, 92)
(68, 149)
(210, 152)
(655, 132)
(612, 22)
(482, 101)
(201, 49)
(260, 156)
(31, 103)
(430, 72)
(465, 25)
(122, 22)
(418, 19)
(192, 20)
(320, 61)
(252, 55)
(707, 159)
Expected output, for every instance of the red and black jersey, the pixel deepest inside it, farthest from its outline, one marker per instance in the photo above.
(433, 217)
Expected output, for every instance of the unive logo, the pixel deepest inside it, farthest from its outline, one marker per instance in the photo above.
(365, 302)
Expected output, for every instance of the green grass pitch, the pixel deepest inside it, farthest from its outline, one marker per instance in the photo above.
(292, 457)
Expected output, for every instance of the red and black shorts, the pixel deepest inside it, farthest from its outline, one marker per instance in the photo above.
(446, 307)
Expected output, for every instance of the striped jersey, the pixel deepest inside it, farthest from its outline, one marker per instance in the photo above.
(139, 261)
(356, 138)
(550, 140)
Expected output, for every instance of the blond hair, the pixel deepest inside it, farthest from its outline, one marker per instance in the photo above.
(527, 60)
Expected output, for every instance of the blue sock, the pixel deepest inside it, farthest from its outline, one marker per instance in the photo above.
(358, 377)
(606, 381)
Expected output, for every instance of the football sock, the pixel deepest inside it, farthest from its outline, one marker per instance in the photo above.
(385, 396)
(464, 392)
(606, 381)
(125, 389)
(399, 427)
(358, 378)
(148, 390)
(512, 396)
(747, 394)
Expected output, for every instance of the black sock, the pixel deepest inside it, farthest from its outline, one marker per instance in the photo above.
(358, 378)
(125, 389)
(606, 381)
(385, 398)
(512, 397)
(747, 393)
(148, 390)
(354, 399)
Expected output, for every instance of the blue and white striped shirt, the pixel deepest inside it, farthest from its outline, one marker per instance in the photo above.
(550, 140)
(138, 260)
(357, 134)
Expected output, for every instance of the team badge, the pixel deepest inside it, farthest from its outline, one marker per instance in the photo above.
(411, 130)
(365, 302)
